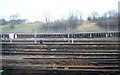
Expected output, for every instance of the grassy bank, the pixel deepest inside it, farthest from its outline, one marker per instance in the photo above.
(20, 28)
(41, 28)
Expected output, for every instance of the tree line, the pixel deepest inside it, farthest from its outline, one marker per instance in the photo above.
(14, 20)
(74, 19)
(108, 20)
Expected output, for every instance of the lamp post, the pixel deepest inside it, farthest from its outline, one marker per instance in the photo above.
(108, 23)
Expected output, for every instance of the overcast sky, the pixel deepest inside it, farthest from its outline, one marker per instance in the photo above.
(55, 9)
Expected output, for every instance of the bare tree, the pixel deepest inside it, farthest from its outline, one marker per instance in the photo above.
(14, 19)
(47, 18)
(119, 15)
(111, 13)
(73, 19)
(80, 15)
(109, 20)
(94, 16)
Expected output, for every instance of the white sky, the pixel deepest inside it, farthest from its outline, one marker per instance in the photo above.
(55, 9)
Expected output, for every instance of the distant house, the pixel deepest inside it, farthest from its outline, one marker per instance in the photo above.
(0, 21)
(3, 22)
(18, 21)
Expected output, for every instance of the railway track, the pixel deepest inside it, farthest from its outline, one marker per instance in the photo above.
(59, 46)
(87, 57)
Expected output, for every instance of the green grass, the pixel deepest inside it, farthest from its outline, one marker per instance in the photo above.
(39, 28)
(20, 28)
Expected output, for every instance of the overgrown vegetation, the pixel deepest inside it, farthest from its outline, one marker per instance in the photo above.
(108, 21)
